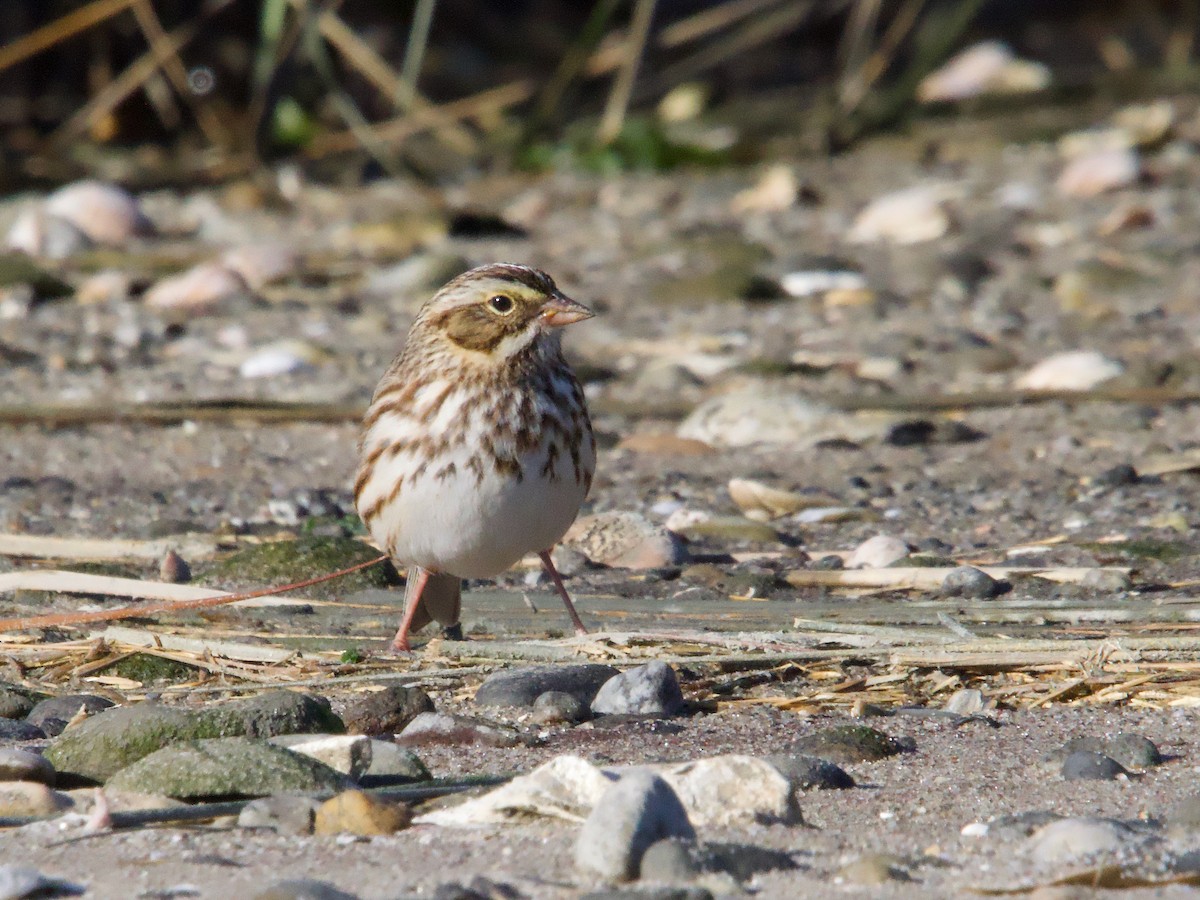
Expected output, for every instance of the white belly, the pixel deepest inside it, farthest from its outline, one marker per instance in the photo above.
(459, 523)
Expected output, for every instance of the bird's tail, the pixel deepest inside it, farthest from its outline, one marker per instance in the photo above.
(441, 601)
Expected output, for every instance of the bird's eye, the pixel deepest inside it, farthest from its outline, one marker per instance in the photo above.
(501, 304)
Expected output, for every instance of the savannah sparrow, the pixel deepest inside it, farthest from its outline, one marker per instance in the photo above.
(477, 447)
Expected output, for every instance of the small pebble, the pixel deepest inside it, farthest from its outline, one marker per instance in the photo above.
(909, 216)
(850, 744)
(24, 765)
(443, 728)
(649, 690)
(970, 583)
(198, 291)
(1099, 171)
(1067, 839)
(629, 817)
(877, 552)
(873, 869)
(966, 702)
(811, 772)
(174, 569)
(282, 813)
(625, 540)
(357, 812)
(31, 798)
(107, 214)
(522, 686)
(559, 708)
(1091, 766)
(1078, 370)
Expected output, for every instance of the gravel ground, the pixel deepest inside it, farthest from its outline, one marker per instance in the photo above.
(687, 285)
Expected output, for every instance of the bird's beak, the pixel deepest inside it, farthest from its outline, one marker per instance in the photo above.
(561, 310)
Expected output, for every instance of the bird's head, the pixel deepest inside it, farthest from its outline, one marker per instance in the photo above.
(499, 310)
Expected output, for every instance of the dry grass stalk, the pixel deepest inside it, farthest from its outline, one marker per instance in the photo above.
(60, 30)
(37, 546)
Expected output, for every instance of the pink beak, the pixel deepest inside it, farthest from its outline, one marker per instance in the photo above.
(561, 310)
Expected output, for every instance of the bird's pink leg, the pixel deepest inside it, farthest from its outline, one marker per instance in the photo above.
(548, 563)
(413, 600)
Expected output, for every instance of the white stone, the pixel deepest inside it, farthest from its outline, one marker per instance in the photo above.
(732, 790)
(877, 552)
(908, 216)
(104, 212)
(198, 290)
(1067, 839)
(349, 754)
(1077, 370)
(283, 357)
(1099, 171)
(818, 281)
(989, 67)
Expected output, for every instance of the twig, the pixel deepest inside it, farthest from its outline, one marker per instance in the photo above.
(376, 70)
(613, 119)
(172, 65)
(59, 30)
(346, 108)
(759, 30)
(403, 127)
(702, 24)
(127, 612)
(134, 76)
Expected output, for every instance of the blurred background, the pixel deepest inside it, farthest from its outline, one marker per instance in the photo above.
(152, 92)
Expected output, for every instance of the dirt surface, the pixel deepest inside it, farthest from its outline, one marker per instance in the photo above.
(677, 277)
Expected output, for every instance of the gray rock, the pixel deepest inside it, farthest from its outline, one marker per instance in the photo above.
(558, 708)
(17, 882)
(521, 687)
(634, 813)
(393, 764)
(387, 711)
(970, 583)
(1088, 765)
(302, 889)
(810, 772)
(1133, 751)
(649, 690)
(226, 767)
(16, 730)
(282, 813)
(114, 739)
(443, 728)
(849, 744)
(52, 714)
(22, 765)
(15, 701)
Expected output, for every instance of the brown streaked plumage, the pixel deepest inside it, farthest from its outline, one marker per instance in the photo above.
(477, 447)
